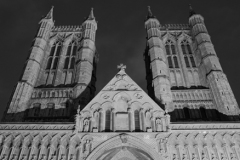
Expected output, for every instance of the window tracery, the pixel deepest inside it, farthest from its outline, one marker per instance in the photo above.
(188, 55)
(54, 56)
(171, 54)
(70, 56)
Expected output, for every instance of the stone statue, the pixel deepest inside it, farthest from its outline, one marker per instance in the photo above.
(162, 146)
(96, 119)
(78, 122)
(86, 125)
(159, 126)
(148, 120)
(87, 148)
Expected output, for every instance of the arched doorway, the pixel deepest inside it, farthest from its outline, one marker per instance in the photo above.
(123, 147)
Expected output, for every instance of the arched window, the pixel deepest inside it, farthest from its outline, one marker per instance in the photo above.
(167, 49)
(50, 107)
(183, 49)
(175, 62)
(72, 63)
(189, 49)
(36, 109)
(173, 49)
(66, 63)
(137, 120)
(74, 50)
(71, 53)
(55, 63)
(69, 50)
(186, 113)
(203, 113)
(49, 63)
(54, 54)
(52, 50)
(192, 61)
(59, 47)
(107, 120)
(170, 64)
(187, 62)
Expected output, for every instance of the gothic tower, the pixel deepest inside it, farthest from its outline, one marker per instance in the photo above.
(122, 122)
(183, 71)
(60, 73)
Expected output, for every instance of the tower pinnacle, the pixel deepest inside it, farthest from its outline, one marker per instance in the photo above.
(91, 15)
(191, 11)
(50, 14)
(150, 15)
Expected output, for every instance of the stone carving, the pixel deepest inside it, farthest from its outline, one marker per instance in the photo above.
(223, 156)
(184, 157)
(175, 157)
(162, 146)
(138, 95)
(159, 126)
(86, 125)
(204, 155)
(148, 120)
(194, 156)
(233, 156)
(124, 138)
(78, 126)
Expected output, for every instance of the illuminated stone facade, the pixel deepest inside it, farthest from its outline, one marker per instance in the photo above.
(54, 115)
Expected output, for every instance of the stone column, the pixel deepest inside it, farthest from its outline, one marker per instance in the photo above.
(177, 146)
(141, 118)
(226, 151)
(206, 149)
(197, 151)
(153, 121)
(102, 120)
(113, 114)
(216, 152)
(186, 146)
(130, 119)
(233, 147)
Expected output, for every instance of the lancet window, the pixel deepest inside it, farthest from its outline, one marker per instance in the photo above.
(171, 54)
(137, 120)
(54, 55)
(107, 120)
(188, 54)
(70, 56)
(36, 109)
(50, 107)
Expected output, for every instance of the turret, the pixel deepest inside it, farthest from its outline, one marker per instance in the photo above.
(86, 56)
(24, 88)
(158, 64)
(210, 67)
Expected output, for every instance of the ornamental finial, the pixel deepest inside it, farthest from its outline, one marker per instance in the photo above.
(121, 67)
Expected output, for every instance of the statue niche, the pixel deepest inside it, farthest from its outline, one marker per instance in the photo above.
(121, 115)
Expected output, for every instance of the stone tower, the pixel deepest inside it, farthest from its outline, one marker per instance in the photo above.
(60, 73)
(122, 122)
(183, 71)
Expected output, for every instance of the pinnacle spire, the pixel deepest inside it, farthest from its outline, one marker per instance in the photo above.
(150, 15)
(50, 14)
(191, 11)
(91, 15)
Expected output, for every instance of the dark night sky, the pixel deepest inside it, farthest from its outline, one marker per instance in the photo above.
(120, 36)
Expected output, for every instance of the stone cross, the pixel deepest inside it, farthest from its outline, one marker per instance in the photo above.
(121, 67)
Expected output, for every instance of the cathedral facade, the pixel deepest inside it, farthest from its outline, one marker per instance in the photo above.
(189, 112)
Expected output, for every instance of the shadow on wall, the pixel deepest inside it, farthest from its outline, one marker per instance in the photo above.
(65, 113)
(201, 114)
